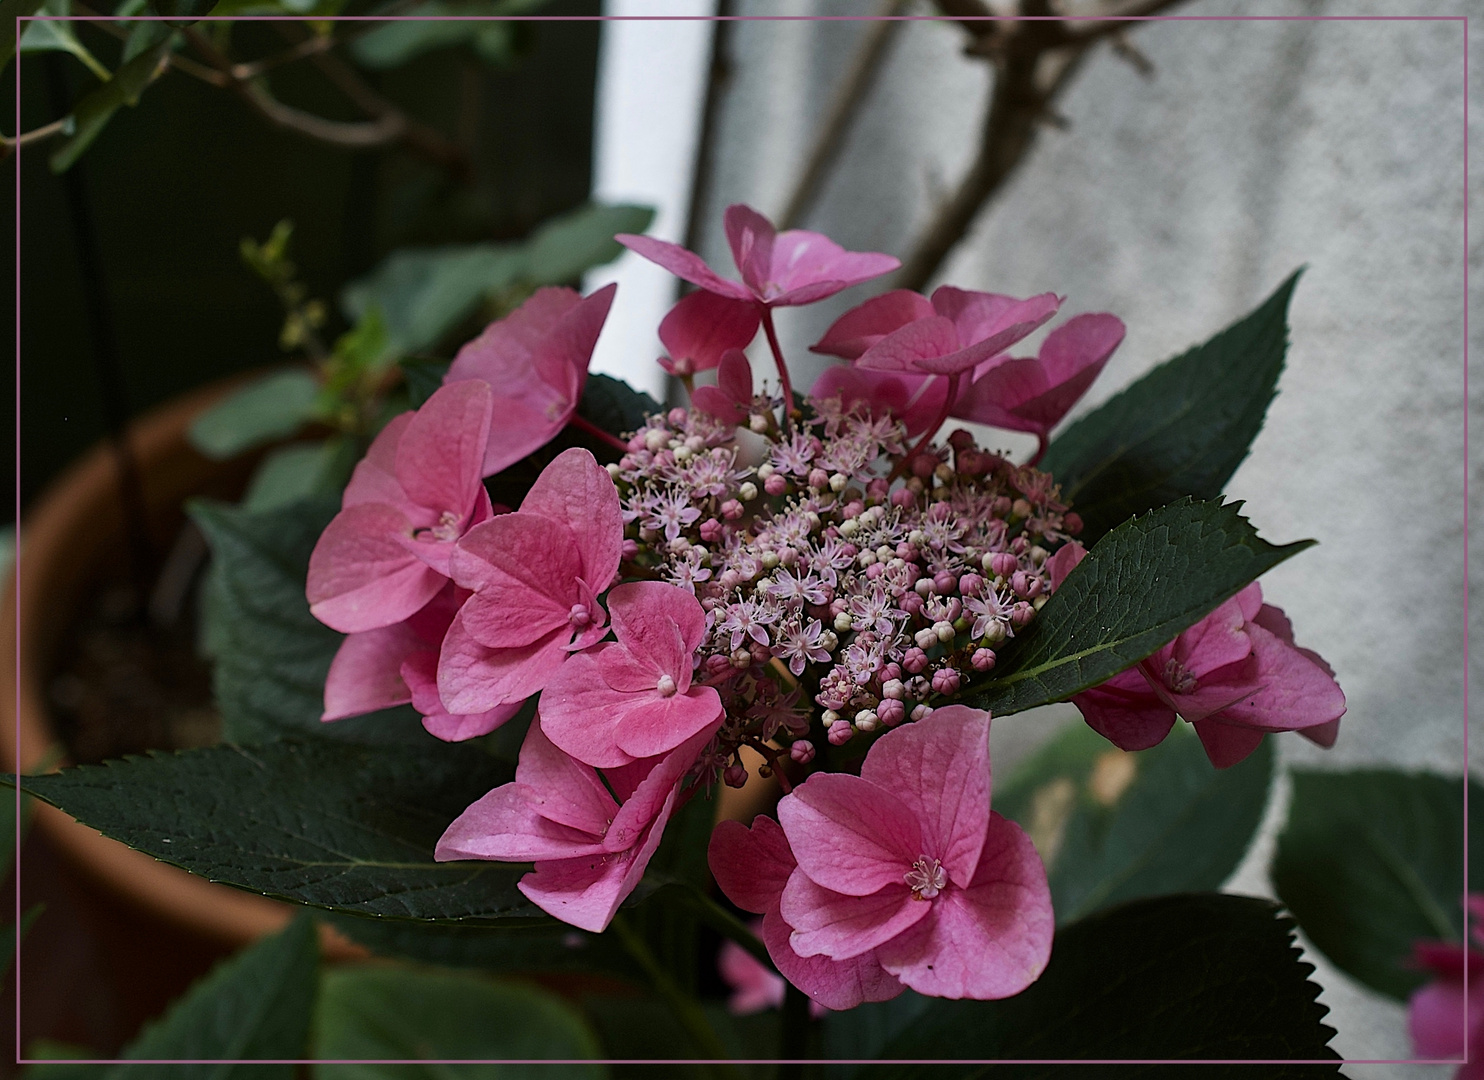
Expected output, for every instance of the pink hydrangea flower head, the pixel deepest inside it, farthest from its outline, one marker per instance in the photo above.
(1034, 394)
(398, 664)
(965, 330)
(1235, 676)
(905, 867)
(535, 360)
(702, 328)
(634, 697)
(536, 575)
(590, 836)
(416, 492)
(1436, 1016)
(731, 397)
(778, 269)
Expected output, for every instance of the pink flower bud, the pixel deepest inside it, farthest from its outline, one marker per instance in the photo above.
(711, 530)
(903, 498)
(735, 774)
(923, 465)
(1003, 564)
(925, 639)
(983, 660)
(1019, 545)
(944, 581)
(875, 570)
(677, 417)
(1072, 523)
(775, 484)
(637, 442)
(911, 603)
(729, 580)
(891, 671)
(940, 511)
(1021, 614)
(717, 665)
(922, 712)
(840, 732)
(1020, 583)
(916, 660)
(852, 509)
(819, 479)
(1034, 588)
(891, 712)
(876, 489)
(968, 585)
(907, 552)
(1020, 508)
(1001, 506)
(760, 653)
(731, 509)
(961, 439)
(630, 548)
(802, 751)
(945, 681)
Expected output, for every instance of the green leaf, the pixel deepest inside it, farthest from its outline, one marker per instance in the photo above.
(1113, 826)
(293, 473)
(1192, 976)
(424, 293)
(8, 941)
(256, 1005)
(50, 36)
(329, 824)
(1139, 587)
(565, 247)
(1371, 861)
(1180, 430)
(424, 377)
(615, 406)
(543, 946)
(272, 408)
(94, 111)
(10, 10)
(497, 43)
(376, 1012)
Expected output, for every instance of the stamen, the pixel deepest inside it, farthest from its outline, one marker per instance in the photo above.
(666, 686)
(579, 616)
(1177, 678)
(926, 879)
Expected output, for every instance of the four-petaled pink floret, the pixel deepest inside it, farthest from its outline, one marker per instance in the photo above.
(901, 875)
(634, 697)
(416, 492)
(702, 328)
(535, 575)
(591, 836)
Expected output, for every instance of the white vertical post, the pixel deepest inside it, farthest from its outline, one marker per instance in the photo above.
(650, 100)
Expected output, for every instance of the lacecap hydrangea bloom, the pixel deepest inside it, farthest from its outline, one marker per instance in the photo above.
(760, 574)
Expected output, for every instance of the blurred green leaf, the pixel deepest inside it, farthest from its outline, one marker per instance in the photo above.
(1113, 826)
(50, 36)
(292, 473)
(274, 407)
(1372, 861)
(10, 10)
(94, 111)
(382, 1012)
(423, 377)
(564, 248)
(615, 406)
(495, 42)
(423, 293)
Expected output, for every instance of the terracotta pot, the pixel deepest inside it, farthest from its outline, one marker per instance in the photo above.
(73, 529)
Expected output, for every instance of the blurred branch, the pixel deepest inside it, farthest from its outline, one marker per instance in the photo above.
(1034, 60)
(852, 93)
(35, 135)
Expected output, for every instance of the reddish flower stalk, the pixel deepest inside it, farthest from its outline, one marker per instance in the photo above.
(590, 428)
(927, 436)
(788, 390)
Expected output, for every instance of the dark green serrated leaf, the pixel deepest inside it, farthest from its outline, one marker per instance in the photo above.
(92, 113)
(1139, 587)
(1372, 861)
(272, 408)
(423, 377)
(329, 824)
(1180, 430)
(615, 406)
(541, 947)
(1113, 826)
(561, 250)
(398, 1013)
(256, 1005)
(1186, 977)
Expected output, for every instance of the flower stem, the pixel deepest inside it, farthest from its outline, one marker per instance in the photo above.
(929, 433)
(582, 424)
(788, 389)
(1041, 449)
(686, 1009)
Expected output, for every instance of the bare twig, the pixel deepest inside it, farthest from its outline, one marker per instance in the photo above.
(1033, 62)
(851, 95)
(35, 135)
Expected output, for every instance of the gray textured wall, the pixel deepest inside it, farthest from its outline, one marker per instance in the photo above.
(1178, 203)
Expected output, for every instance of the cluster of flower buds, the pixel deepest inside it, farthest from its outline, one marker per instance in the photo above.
(823, 582)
